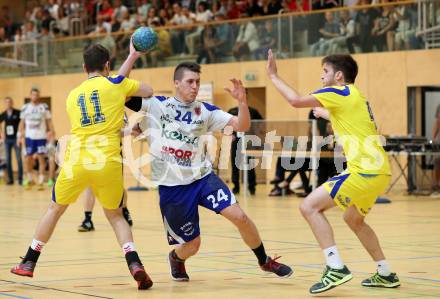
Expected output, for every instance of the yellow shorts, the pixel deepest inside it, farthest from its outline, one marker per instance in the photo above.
(105, 180)
(360, 190)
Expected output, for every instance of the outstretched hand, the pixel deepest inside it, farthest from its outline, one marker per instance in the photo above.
(238, 91)
(320, 112)
(271, 66)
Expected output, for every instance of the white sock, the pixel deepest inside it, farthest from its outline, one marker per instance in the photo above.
(383, 268)
(333, 258)
(128, 247)
(29, 177)
(37, 245)
(40, 179)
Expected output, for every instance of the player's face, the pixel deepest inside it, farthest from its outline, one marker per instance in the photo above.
(328, 75)
(34, 96)
(188, 88)
(8, 103)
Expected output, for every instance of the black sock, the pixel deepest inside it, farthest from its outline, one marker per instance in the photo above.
(174, 256)
(124, 209)
(88, 216)
(131, 257)
(31, 255)
(261, 254)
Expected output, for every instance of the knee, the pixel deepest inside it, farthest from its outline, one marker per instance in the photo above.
(306, 209)
(193, 246)
(355, 223)
(241, 219)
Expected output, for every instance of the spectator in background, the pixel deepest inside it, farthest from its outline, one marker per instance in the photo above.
(178, 35)
(223, 38)
(206, 49)
(247, 40)
(11, 118)
(152, 16)
(164, 17)
(202, 16)
(253, 7)
(267, 40)
(347, 30)
(233, 11)
(330, 29)
(364, 23)
(382, 33)
(47, 20)
(272, 7)
(119, 12)
(105, 13)
(30, 32)
(163, 48)
(63, 22)
(406, 16)
(143, 8)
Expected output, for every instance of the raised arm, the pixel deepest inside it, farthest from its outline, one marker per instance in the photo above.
(290, 94)
(242, 122)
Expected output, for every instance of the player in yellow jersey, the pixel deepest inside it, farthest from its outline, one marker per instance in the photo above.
(93, 157)
(366, 177)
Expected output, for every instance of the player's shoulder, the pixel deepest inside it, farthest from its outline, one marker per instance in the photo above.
(114, 79)
(158, 99)
(208, 106)
(24, 107)
(336, 90)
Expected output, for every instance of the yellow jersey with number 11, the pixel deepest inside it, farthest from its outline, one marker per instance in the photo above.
(96, 113)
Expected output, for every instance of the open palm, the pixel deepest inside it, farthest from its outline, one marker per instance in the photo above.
(238, 91)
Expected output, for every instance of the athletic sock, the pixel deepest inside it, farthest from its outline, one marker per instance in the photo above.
(260, 253)
(175, 256)
(29, 175)
(333, 258)
(383, 268)
(128, 247)
(132, 257)
(34, 251)
(88, 216)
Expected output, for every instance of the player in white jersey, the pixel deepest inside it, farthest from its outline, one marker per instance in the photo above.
(36, 122)
(177, 127)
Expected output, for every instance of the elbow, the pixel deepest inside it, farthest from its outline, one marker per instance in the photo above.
(294, 102)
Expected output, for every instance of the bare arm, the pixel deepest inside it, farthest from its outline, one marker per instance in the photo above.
(128, 63)
(290, 94)
(242, 122)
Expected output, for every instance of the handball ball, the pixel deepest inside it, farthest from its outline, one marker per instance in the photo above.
(144, 39)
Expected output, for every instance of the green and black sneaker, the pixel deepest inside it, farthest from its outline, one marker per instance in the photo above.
(379, 281)
(331, 278)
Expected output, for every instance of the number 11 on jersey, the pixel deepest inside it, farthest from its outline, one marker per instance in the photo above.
(98, 117)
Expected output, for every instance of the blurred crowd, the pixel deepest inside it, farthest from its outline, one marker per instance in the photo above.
(374, 29)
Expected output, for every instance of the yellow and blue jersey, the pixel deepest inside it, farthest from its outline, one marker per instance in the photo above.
(96, 112)
(353, 122)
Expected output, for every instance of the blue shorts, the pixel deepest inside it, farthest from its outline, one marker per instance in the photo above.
(179, 206)
(35, 146)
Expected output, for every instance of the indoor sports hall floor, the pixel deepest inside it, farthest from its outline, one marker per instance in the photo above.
(91, 265)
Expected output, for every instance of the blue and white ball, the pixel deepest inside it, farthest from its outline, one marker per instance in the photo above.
(144, 39)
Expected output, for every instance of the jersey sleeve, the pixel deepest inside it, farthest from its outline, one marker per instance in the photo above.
(218, 118)
(129, 86)
(332, 98)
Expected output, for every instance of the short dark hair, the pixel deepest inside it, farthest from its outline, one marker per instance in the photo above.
(186, 66)
(34, 89)
(344, 63)
(95, 58)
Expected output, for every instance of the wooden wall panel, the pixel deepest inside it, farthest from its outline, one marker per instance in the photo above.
(383, 78)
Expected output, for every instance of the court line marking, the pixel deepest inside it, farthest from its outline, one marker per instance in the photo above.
(14, 296)
(54, 289)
